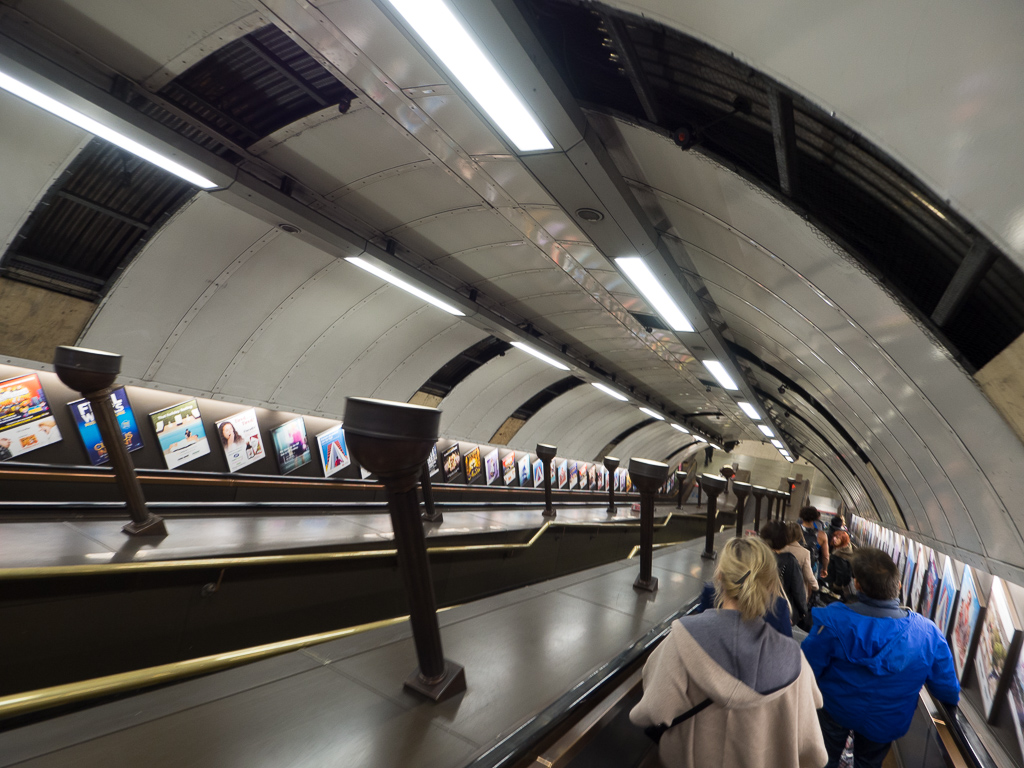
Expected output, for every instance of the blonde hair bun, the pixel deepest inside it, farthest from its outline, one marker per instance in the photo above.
(747, 573)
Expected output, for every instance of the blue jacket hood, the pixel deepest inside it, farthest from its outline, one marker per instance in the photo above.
(881, 646)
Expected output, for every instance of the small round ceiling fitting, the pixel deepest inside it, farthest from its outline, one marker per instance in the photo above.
(589, 214)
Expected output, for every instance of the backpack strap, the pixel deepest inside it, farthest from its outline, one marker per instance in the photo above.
(655, 732)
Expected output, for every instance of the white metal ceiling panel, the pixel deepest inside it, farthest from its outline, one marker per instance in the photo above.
(161, 285)
(417, 368)
(340, 151)
(545, 425)
(460, 230)
(517, 182)
(557, 223)
(490, 261)
(462, 123)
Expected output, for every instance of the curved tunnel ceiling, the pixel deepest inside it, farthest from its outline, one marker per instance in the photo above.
(224, 301)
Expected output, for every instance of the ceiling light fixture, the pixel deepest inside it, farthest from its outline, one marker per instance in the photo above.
(449, 41)
(777, 444)
(400, 283)
(766, 430)
(653, 414)
(640, 275)
(719, 372)
(64, 112)
(684, 430)
(609, 391)
(540, 355)
(699, 439)
(748, 409)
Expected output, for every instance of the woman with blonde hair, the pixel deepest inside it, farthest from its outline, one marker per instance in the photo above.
(726, 675)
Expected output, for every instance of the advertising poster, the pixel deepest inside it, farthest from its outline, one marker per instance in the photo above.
(945, 599)
(81, 413)
(563, 474)
(180, 432)
(491, 466)
(525, 477)
(25, 419)
(291, 445)
(592, 476)
(908, 573)
(584, 477)
(997, 647)
(240, 438)
(574, 475)
(334, 450)
(920, 572)
(965, 622)
(508, 468)
(432, 466)
(931, 586)
(1016, 702)
(538, 473)
(451, 463)
(473, 466)
(601, 472)
(628, 480)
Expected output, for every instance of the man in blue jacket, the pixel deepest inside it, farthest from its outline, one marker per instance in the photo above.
(870, 659)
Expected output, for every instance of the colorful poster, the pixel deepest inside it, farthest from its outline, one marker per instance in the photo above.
(491, 466)
(628, 480)
(432, 466)
(946, 598)
(240, 437)
(592, 474)
(563, 474)
(920, 572)
(334, 450)
(181, 434)
(291, 445)
(574, 475)
(1016, 701)
(451, 463)
(931, 586)
(525, 477)
(508, 468)
(584, 476)
(995, 645)
(81, 413)
(908, 573)
(473, 467)
(25, 419)
(965, 622)
(538, 473)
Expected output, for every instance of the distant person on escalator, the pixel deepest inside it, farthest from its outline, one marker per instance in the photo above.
(815, 540)
(709, 452)
(776, 536)
(796, 546)
(753, 688)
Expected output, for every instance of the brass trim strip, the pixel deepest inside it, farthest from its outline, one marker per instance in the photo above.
(633, 552)
(58, 695)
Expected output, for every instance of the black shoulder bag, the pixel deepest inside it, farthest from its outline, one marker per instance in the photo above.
(655, 732)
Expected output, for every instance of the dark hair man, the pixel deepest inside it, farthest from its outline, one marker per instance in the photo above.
(870, 659)
(815, 540)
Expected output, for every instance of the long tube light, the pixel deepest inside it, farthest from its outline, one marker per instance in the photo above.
(653, 414)
(640, 275)
(449, 41)
(609, 391)
(64, 112)
(540, 355)
(748, 409)
(400, 283)
(684, 430)
(766, 430)
(719, 372)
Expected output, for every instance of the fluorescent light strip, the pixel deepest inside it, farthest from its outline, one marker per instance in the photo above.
(748, 409)
(459, 52)
(540, 355)
(649, 412)
(766, 430)
(64, 112)
(400, 283)
(640, 275)
(684, 430)
(777, 443)
(609, 391)
(719, 372)
(699, 439)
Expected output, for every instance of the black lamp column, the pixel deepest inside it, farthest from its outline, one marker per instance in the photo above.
(742, 490)
(759, 491)
(611, 464)
(712, 485)
(430, 513)
(680, 478)
(92, 373)
(647, 476)
(393, 440)
(546, 453)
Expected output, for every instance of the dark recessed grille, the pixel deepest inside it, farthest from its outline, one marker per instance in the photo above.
(865, 200)
(255, 85)
(463, 364)
(545, 396)
(93, 220)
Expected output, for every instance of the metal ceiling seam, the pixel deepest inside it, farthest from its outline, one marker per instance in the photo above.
(406, 361)
(549, 419)
(599, 427)
(508, 402)
(490, 377)
(388, 173)
(272, 234)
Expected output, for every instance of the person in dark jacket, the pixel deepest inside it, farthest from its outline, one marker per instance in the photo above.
(776, 536)
(870, 659)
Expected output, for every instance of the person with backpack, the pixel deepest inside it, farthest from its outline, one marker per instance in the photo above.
(815, 540)
(776, 535)
(803, 556)
(725, 688)
(840, 575)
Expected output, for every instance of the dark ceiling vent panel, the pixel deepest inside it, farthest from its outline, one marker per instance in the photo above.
(872, 206)
(255, 85)
(545, 396)
(463, 364)
(93, 221)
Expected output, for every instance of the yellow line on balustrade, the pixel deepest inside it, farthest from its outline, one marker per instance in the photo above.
(633, 552)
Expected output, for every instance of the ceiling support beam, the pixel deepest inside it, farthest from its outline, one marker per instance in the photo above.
(104, 210)
(972, 269)
(784, 135)
(630, 62)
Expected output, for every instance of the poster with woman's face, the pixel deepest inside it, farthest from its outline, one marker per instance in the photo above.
(239, 436)
(931, 585)
(965, 621)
